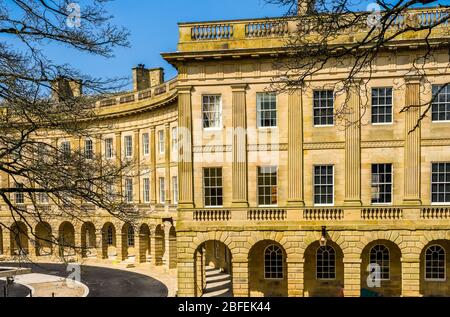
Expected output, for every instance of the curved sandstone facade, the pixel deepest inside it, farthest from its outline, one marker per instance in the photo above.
(286, 242)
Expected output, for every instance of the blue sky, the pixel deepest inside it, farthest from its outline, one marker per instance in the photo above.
(153, 28)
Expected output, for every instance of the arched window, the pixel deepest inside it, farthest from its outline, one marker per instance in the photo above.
(435, 263)
(110, 235)
(130, 236)
(326, 263)
(273, 262)
(379, 255)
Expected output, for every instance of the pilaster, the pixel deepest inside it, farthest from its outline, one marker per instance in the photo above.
(295, 148)
(240, 167)
(412, 171)
(353, 148)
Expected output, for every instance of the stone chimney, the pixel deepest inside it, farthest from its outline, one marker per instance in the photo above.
(305, 7)
(144, 78)
(66, 88)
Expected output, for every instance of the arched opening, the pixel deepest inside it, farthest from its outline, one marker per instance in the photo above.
(44, 239)
(324, 270)
(143, 253)
(267, 268)
(213, 270)
(88, 240)
(172, 248)
(19, 239)
(128, 242)
(434, 265)
(66, 239)
(109, 241)
(160, 247)
(381, 270)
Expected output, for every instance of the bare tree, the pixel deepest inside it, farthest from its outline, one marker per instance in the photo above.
(338, 34)
(41, 101)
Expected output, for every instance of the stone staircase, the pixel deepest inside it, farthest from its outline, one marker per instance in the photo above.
(218, 284)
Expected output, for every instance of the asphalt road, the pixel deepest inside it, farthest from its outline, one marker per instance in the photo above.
(104, 282)
(15, 290)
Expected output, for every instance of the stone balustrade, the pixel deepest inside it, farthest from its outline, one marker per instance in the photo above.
(239, 34)
(381, 213)
(313, 214)
(435, 213)
(267, 215)
(128, 97)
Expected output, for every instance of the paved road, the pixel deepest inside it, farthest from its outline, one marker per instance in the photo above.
(104, 282)
(15, 290)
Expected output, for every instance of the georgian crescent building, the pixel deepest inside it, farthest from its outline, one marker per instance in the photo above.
(264, 191)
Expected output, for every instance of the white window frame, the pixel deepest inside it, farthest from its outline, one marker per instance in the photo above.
(109, 148)
(175, 189)
(19, 194)
(444, 279)
(392, 184)
(389, 261)
(162, 190)
(334, 105)
(258, 187)
(89, 149)
(161, 142)
(431, 186)
(146, 144)
(259, 111)
(174, 139)
(220, 124)
(371, 107)
(129, 190)
(146, 190)
(314, 185)
(437, 121)
(282, 264)
(204, 188)
(128, 146)
(335, 264)
(65, 146)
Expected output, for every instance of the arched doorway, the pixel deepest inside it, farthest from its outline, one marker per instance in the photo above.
(434, 266)
(88, 240)
(160, 247)
(66, 239)
(267, 270)
(109, 241)
(44, 239)
(324, 270)
(128, 242)
(143, 253)
(212, 267)
(381, 269)
(19, 239)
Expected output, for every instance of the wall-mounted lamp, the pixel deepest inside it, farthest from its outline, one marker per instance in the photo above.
(323, 239)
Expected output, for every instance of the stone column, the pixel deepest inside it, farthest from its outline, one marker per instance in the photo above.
(185, 163)
(139, 247)
(137, 192)
(240, 276)
(155, 248)
(412, 142)
(353, 148)
(167, 159)
(410, 276)
(119, 160)
(102, 248)
(295, 148)
(78, 247)
(240, 167)
(153, 184)
(352, 277)
(186, 277)
(121, 246)
(295, 277)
